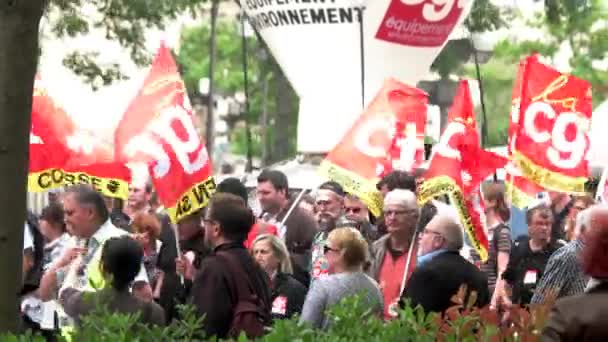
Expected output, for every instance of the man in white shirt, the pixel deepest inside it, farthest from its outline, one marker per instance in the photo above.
(87, 217)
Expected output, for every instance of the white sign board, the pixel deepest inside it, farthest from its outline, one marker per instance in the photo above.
(317, 44)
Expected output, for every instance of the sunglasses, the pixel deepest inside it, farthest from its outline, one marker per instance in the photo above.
(354, 210)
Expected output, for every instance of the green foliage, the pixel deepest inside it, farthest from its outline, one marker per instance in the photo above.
(581, 25)
(124, 21)
(484, 16)
(498, 76)
(352, 320)
(564, 21)
(264, 79)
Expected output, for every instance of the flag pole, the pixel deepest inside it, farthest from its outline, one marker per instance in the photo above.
(599, 194)
(362, 54)
(293, 206)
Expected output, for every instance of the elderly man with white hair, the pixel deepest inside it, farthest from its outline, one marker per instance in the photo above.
(395, 253)
(563, 276)
(441, 271)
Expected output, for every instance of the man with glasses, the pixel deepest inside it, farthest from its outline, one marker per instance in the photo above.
(393, 255)
(441, 272)
(356, 215)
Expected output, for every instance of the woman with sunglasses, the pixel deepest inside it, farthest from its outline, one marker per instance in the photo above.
(346, 251)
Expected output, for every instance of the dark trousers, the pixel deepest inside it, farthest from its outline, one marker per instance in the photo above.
(34, 327)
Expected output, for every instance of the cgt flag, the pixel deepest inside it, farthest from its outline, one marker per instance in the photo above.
(354, 161)
(61, 154)
(157, 129)
(520, 190)
(551, 142)
(457, 168)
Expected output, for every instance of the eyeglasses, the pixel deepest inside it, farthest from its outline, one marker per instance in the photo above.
(388, 213)
(327, 249)
(354, 210)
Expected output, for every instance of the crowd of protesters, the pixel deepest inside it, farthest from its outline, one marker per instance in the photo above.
(243, 270)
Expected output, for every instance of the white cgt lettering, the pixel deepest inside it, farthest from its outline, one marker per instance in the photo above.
(363, 135)
(435, 10)
(443, 148)
(34, 139)
(162, 127)
(182, 148)
(559, 144)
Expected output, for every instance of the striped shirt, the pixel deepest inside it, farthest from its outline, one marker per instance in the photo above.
(499, 240)
(563, 276)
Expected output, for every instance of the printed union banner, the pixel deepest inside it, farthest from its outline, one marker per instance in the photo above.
(354, 161)
(350, 37)
(420, 22)
(158, 129)
(111, 179)
(552, 140)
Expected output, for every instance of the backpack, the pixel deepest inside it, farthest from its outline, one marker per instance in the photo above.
(250, 315)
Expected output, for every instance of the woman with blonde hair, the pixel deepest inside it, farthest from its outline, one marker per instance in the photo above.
(287, 293)
(347, 252)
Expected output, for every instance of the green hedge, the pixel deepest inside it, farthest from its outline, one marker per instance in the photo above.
(352, 320)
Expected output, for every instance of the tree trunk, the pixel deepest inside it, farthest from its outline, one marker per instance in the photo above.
(19, 21)
(210, 126)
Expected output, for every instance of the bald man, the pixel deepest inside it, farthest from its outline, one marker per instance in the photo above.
(441, 271)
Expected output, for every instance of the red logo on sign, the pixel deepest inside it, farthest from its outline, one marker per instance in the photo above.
(423, 23)
(279, 305)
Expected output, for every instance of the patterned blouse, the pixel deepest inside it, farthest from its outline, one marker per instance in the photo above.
(563, 276)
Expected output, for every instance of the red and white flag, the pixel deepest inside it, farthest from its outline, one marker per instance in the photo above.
(158, 129)
(388, 134)
(457, 168)
(551, 141)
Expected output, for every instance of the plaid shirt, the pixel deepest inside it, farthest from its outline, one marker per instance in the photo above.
(563, 276)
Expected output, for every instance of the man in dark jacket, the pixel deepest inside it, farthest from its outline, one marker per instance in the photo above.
(299, 229)
(216, 289)
(442, 274)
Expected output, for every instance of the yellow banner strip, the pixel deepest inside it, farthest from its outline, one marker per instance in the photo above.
(517, 197)
(196, 198)
(353, 183)
(45, 180)
(115, 188)
(547, 178)
(56, 178)
(444, 185)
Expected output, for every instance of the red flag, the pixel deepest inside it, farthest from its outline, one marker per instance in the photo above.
(520, 191)
(48, 154)
(354, 161)
(458, 166)
(552, 139)
(158, 129)
(63, 154)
